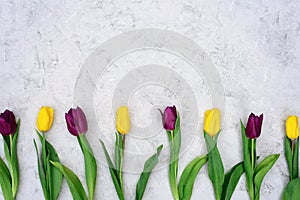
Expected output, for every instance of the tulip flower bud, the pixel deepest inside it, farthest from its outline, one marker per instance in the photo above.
(76, 121)
(212, 121)
(123, 120)
(253, 128)
(45, 118)
(7, 123)
(169, 118)
(292, 129)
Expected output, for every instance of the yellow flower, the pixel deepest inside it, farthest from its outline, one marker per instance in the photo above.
(123, 120)
(45, 118)
(292, 129)
(212, 121)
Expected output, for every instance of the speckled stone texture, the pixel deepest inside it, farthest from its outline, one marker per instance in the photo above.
(255, 46)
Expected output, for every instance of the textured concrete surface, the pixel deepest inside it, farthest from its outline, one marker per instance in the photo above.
(254, 46)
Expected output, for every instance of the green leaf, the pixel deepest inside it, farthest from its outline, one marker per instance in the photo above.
(175, 143)
(262, 170)
(48, 175)
(247, 161)
(90, 165)
(10, 150)
(41, 174)
(288, 155)
(5, 181)
(54, 176)
(231, 180)
(215, 165)
(73, 181)
(188, 177)
(119, 154)
(113, 173)
(296, 159)
(7, 149)
(291, 191)
(143, 180)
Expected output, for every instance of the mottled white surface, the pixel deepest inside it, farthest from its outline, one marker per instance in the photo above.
(254, 46)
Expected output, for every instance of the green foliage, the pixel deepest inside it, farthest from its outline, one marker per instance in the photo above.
(90, 165)
(73, 181)
(50, 176)
(291, 191)
(143, 180)
(175, 144)
(231, 180)
(188, 177)
(10, 150)
(215, 165)
(113, 173)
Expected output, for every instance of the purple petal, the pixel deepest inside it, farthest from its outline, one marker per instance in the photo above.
(254, 124)
(81, 121)
(169, 118)
(4, 127)
(258, 124)
(250, 128)
(70, 123)
(8, 122)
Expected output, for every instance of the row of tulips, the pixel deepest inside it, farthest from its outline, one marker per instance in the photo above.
(52, 171)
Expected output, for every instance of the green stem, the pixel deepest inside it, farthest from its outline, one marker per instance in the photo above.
(11, 167)
(252, 153)
(44, 160)
(293, 152)
(121, 162)
(293, 147)
(175, 166)
(253, 163)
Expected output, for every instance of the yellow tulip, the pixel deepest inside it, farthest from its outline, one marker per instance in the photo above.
(45, 118)
(292, 129)
(123, 120)
(212, 121)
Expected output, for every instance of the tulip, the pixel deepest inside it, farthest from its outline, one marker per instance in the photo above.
(45, 118)
(76, 121)
(212, 121)
(253, 128)
(123, 120)
(8, 123)
(292, 129)
(169, 118)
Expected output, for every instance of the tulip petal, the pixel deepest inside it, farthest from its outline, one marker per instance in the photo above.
(45, 118)
(254, 124)
(81, 121)
(292, 128)
(8, 123)
(4, 127)
(70, 123)
(123, 120)
(212, 121)
(50, 112)
(169, 118)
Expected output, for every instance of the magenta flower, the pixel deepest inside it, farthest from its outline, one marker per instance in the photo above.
(8, 123)
(169, 118)
(76, 121)
(254, 124)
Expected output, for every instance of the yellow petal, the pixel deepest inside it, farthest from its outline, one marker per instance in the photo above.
(123, 120)
(292, 128)
(212, 121)
(45, 118)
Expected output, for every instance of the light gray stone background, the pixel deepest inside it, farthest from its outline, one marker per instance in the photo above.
(253, 44)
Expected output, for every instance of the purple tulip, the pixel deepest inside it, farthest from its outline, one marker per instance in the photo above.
(76, 121)
(253, 128)
(169, 118)
(8, 123)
